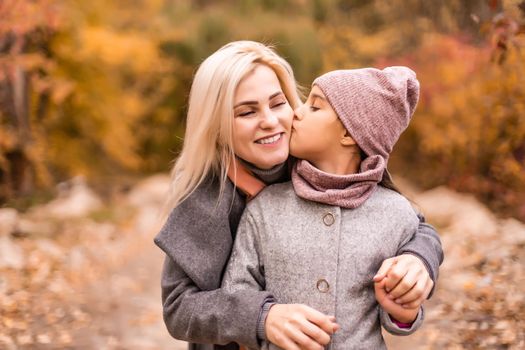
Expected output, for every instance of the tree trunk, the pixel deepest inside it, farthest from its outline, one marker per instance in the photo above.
(16, 177)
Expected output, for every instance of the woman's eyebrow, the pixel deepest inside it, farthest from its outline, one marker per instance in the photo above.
(275, 94)
(243, 103)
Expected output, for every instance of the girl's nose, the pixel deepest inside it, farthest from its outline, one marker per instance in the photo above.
(298, 113)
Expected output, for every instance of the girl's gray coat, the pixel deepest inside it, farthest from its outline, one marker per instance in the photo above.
(323, 256)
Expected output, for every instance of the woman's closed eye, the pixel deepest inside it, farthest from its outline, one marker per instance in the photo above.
(278, 104)
(246, 113)
(314, 108)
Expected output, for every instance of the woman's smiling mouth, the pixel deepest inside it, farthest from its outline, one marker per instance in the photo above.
(269, 139)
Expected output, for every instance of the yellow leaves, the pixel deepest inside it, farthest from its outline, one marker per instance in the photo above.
(373, 45)
(61, 90)
(118, 48)
(8, 138)
(21, 17)
(471, 117)
(510, 171)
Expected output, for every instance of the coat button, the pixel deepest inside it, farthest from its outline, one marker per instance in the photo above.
(328, 219)
(323, 286)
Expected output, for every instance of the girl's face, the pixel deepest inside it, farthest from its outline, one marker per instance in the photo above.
(262, 119)
(316, 130)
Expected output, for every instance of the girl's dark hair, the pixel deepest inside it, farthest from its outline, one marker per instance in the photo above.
(387, 182)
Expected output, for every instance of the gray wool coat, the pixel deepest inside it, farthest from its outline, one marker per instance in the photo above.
(197, 239)
(323, 256)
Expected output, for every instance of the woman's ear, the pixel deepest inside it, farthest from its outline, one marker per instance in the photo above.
(347, 140)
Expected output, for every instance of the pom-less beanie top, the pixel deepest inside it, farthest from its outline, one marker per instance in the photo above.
(375, 106)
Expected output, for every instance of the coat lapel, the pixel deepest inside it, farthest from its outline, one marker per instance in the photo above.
(197, 234)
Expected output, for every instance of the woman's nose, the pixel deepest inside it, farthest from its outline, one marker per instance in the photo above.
(270, 119)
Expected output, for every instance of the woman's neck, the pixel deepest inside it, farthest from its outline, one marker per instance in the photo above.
(269, 176)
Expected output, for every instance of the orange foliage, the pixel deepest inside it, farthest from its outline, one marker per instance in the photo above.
(469, 128)
(101, 88)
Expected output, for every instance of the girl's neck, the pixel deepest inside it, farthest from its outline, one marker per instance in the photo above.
(344, 163)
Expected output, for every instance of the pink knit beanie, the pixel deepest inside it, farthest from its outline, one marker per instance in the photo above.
(375, 106)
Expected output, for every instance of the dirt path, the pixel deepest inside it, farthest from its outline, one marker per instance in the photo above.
(128, 312)
(480, 298)
(87, 278)
(91, 281)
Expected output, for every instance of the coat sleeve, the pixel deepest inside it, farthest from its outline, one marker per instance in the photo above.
(426, 245)
(212, 316)
(394, 329)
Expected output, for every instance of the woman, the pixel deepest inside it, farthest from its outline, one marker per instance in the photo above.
(320, 238)
(238, 130)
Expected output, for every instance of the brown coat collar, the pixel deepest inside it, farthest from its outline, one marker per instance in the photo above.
(244, 179)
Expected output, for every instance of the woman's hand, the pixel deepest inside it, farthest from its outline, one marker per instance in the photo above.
(401, 314)
(406, 280)
(297, 326)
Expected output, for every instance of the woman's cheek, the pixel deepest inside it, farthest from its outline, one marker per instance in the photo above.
(288, 119)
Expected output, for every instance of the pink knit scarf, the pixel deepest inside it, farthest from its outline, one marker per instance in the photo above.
(347, 191)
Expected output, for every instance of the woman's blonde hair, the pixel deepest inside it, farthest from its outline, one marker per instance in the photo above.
(208, 141)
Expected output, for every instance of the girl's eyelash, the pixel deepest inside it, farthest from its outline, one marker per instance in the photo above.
(313, 108)
(279, 104)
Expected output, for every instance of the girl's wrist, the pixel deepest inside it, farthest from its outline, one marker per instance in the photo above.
(407, 318)
(401, 324)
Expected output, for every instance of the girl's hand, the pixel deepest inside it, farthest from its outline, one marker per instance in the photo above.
(297, 326)
(406, 280)
(401, 314)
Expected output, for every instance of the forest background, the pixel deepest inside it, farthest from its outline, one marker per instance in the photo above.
(100, 88)
(93, 97)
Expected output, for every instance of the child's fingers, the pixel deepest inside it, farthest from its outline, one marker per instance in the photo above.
(407, 282)
(326, 323)
(380, 292)
(385, 267)
(414, 304)
(311, 332)
(396, 273)
(335, 325)
(416, 293)
(424, 295)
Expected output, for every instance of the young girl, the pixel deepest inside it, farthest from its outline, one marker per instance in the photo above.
(319, 239)
(238, 126)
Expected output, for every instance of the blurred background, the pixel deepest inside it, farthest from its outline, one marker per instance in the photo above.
(92, 105)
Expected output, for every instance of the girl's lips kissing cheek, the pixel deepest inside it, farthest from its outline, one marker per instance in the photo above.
(270, 140)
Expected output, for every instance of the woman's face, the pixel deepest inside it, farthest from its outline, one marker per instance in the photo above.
(262, 119)
(316, 130)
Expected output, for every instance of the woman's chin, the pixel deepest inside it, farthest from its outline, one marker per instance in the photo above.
(270, 163)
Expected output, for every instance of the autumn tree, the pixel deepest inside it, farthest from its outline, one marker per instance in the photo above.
(26, 28)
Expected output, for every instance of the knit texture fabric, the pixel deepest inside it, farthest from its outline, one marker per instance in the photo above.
(279, 173)
(346, 191)
(375, 106)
